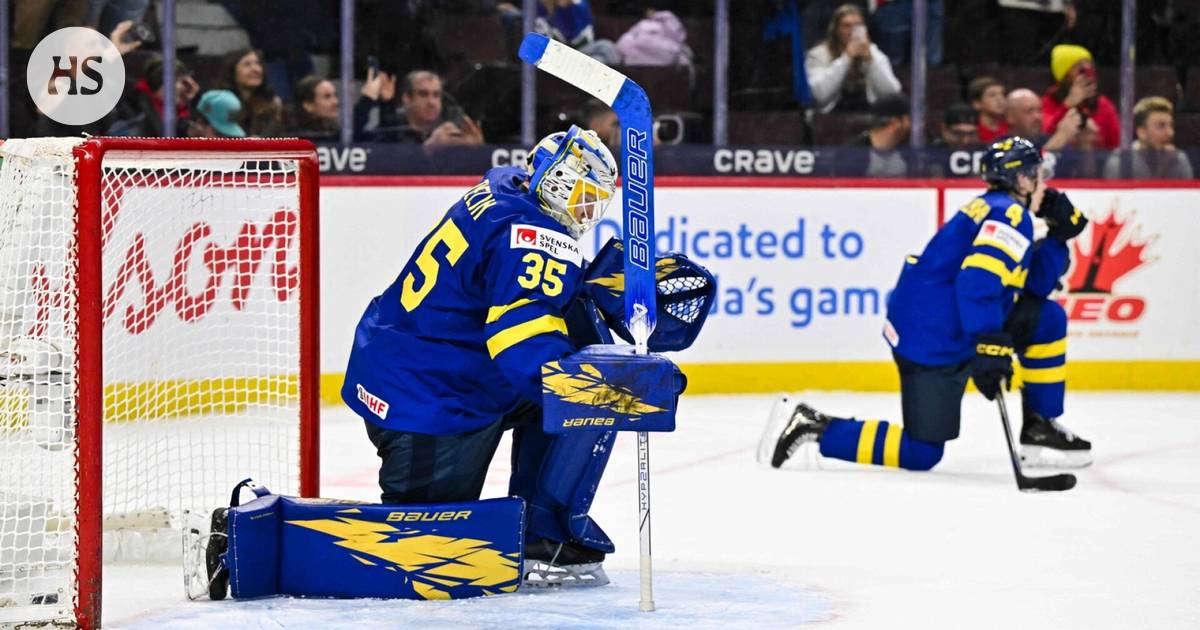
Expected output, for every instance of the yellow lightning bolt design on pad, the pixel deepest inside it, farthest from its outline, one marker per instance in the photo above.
(589, 388)
(615, 282)
(431, 560)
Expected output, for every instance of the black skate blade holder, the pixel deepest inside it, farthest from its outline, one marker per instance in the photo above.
(1052, 483)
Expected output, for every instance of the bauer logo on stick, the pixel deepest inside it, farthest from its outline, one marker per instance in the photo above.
(75, 76)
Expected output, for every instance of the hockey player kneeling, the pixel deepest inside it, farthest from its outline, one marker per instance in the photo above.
(481, 332)
(972, 300)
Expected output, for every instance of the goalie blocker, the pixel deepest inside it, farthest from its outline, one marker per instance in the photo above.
(278, 545)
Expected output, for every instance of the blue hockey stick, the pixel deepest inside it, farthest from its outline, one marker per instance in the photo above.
(632, 107)
(629, 101)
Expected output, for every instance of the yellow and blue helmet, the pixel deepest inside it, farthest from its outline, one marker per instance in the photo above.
(1008, 157)
(575, 177)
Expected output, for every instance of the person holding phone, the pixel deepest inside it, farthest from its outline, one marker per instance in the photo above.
(422, 116)
(846, 72)
(1077, 90)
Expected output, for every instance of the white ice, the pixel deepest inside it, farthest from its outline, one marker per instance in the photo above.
(832, 545)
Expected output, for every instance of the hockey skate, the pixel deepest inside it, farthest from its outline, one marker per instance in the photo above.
(550, 563)
(204, 571)
(788, 428)
(1048, 444)
(218, 543)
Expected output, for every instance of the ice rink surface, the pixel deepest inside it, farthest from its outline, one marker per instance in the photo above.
(825, 545)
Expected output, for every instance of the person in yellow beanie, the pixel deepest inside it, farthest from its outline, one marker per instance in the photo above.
(1075, 89)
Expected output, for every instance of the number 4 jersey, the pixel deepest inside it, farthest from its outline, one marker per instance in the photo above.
(460, 336)
(967, 279)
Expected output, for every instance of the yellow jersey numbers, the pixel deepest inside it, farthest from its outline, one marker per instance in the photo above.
(446, 234)
(543, 271)
(978, 210)
(1015, 213)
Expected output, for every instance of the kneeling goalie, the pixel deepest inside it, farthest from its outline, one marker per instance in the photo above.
(975, 297)
(482, 322)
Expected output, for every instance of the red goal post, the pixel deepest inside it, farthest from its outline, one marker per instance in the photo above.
(166, 373)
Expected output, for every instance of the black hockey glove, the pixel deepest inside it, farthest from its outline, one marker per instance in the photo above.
(992, 363)
(1064, 219)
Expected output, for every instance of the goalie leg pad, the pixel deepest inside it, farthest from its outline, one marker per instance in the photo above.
(558, 476)
(324, 548)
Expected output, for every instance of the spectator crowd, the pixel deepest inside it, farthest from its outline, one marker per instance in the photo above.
(1042, 69)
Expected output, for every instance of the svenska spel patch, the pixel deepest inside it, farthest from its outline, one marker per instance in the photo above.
(557, 245)
(1000, 235)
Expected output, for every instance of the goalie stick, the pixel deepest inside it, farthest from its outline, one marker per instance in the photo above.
(632, 107)
(1053, 483)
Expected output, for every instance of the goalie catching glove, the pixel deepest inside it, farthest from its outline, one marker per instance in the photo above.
(685, 292)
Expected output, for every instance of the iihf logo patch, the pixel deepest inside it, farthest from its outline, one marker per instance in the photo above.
(375, 404)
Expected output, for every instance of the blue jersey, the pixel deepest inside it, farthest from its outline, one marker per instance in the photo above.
(967, 279)
(460, 336)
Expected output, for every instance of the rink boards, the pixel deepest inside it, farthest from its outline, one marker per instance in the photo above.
(804, 268)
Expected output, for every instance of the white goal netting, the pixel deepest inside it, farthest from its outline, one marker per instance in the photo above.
(200, 348)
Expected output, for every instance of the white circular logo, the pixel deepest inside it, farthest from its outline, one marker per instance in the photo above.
(76, 75)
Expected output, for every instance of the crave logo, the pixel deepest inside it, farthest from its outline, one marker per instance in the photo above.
(1102, 256)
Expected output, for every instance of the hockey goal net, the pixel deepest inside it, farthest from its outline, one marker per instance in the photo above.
(158, 343)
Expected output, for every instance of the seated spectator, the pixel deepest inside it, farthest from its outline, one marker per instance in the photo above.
(1154, 155)
(140, 110)
(1075, 88)
(217, 116)
(603, 120)
(571, 22)
(986, 95)
(890, 124)
(958, 129)
(846, 71)
(315, 115)
(422, 116)
(949, 154)
(1023, 114)
(657, 40)
(262, 111)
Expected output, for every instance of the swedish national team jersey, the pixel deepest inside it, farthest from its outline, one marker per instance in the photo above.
(967, 279)
(461, 334)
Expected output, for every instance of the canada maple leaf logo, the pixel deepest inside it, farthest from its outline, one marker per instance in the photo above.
(1109, 249)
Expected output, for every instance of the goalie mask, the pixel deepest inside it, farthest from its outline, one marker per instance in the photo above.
(684, 293)
(574, 175)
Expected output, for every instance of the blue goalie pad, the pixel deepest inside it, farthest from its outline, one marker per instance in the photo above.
(558, 476)
(609, 388)
(282, 545)
(685, 292)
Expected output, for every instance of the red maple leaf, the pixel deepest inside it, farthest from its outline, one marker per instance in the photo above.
(1105, 252)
